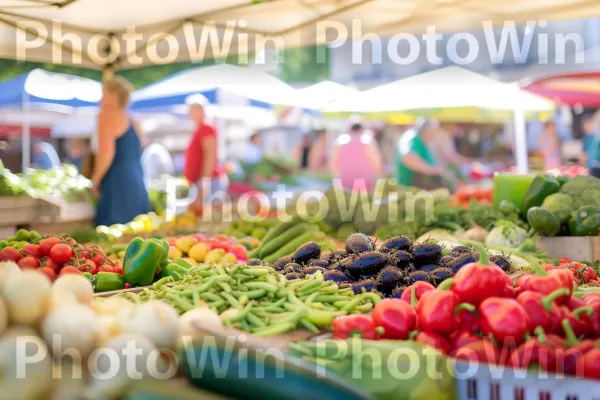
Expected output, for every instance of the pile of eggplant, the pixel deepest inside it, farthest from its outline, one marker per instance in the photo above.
(388, 270)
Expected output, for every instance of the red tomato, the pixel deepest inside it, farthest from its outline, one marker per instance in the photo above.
(61, 253)
(47, 244)
(72, 242)
(10, 254)
(117, 269)
(69, 270)
(99, 259)
(29, 262)
(96, 249)
(32, 250)
(47, 262)
(105, 268)
(86, 266)
(397, 318)
(49, 272)
(85, 254)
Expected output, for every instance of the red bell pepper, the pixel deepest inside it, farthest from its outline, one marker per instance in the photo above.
(349, 325)
(542, 310)
(481, 351)
(437, 311)
(397, 318)
(575, 303)
(588, 366)
(469, 320)
(579, 320)
(504, 319)
(521, 283)
(546, 282)
(528, 353)
(588, 273)
(567, 359)
(420, 288)
(478, 281)
(462, 338)
(434, 340)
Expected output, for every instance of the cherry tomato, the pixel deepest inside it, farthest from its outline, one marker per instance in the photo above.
(47, 262)
(69, 270)
(49, 272)
(72, 242)
(99, 259)
(96, 249)
(32, 250)
(117, 269)
(61, 253)
(10, 254)
(47, 244)
(105, 268)
(86, 266)
(29, 262)
(85, 254)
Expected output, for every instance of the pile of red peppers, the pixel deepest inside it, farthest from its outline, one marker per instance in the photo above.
(542, 321)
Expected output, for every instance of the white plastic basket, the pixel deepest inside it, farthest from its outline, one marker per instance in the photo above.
(483, 382)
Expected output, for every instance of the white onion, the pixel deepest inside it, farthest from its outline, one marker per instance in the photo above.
(205, 316)
(7, 270)
(22, 348)
(70, 380)
(76, 284)
(111, 306)
(60, 299)
(72, 326)
(27, 297)
(3, 317)
(156, 320)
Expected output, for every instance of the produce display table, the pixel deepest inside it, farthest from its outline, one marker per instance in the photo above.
(17, 212)
(577, 248)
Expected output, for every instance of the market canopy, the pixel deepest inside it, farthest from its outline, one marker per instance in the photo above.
(445, 88)
(321, 94)
(172, 31)
(222, 84)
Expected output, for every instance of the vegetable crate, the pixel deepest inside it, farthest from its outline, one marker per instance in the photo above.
(57, 210)
(18, 210)
(580, 248)
(501, 383)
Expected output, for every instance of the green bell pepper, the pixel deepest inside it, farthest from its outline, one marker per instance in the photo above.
(142, 259)
(562, 179)
(541, 187)
(585, 221)
(91, 278)
(3, 244)
(507, 207)
(543, 221)
(164, 260)
(183, 263)
(108, 281)
(174, 270)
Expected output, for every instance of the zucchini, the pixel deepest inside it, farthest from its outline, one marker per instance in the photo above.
(284, 238)
(292, 245)
(247, 373)
(277, 231)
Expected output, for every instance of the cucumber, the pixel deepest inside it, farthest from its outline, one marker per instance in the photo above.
(293, 245)
(283, 239)
(277, 231)
(247, 374)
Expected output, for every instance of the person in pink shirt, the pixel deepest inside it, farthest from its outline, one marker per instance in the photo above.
(356, 160)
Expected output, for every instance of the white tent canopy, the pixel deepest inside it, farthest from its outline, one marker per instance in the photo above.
(173, 31)
(322, 94)
(449, 87)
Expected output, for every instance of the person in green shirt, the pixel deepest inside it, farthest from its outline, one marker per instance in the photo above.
(589, 141)
(415, 163)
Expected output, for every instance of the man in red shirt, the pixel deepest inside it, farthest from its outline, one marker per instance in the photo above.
(201, 163)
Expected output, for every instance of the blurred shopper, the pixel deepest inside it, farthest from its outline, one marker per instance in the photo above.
(77, 149)
(254, 151)
(156, 162)
(416, 164)
(317, 157)
(549, 146)
(44, 156)
(302, 153)
(444, 147)
(589, 139)
(356, 159)
(201, 162)
(118, 177)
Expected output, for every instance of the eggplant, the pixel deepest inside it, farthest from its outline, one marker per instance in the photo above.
(308, 251)
(312, 270)
(396, 243)
(339, 254)
(337, 267)
(397, 293)
(426, 253)
(368, 285)
(368, 263)
(358, 243)
(337, 277)
(418, 276)
(461, 250)
(319, 263)
(290, 276)
(389, 278)
(439, 275)
(344, 285)
(280, 264)
(502, 261)
(254, 262)
(400, 259)
(428, 267)
(446, 260)
(294, 267)
(329, 256)
(461, 261)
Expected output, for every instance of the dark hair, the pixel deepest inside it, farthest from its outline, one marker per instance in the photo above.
(320, 132)
(356, 127)
(254, 136)
(549, 123)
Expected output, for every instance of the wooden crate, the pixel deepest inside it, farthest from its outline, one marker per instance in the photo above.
(22, 210)
(55, 209)
(584, 248)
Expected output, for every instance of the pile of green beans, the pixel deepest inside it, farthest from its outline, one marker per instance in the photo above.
(265, 302)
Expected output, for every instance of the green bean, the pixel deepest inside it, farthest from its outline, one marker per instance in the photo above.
(262, 285)
(234, 303)
(352, 304)
(180, 302)
(243, 300)
(340, 303)
(242, 314)
(318, 306)
(275, 330)
(370, 296)
(217, 304)
(133, 297)
(309, 326)
(311, 298)
(330, 298)
(157, 285)
(295, 316)
(272, 280)
(282, 281)
(364, 308)
(245, 326)
(211, 296)
(225, 286)
(254, 320)
(196, 296)
(273, 309)
(256, 271)
(256, 294)
(314, 289)
(294, 300)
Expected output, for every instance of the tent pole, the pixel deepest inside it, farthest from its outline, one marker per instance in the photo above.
(108, 72)
(26, 133)
(520, 141)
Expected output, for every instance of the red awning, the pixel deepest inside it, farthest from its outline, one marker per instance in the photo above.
(14, 131)
(571, 89)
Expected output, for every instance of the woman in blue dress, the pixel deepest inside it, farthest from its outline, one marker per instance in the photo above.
(118, 177)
